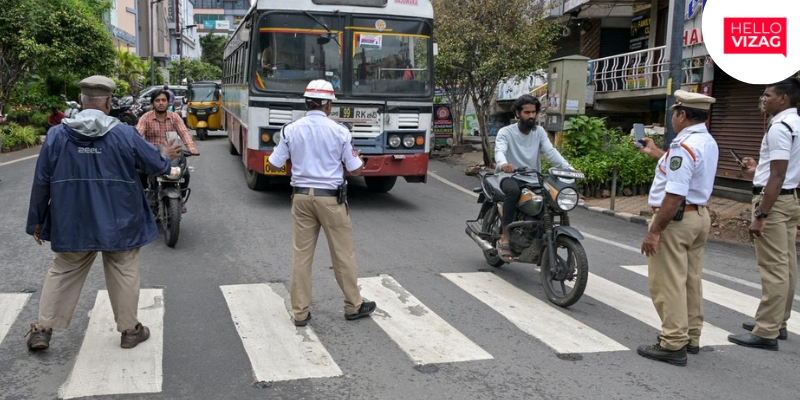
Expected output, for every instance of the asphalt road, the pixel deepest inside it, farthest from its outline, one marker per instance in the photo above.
(234, 236)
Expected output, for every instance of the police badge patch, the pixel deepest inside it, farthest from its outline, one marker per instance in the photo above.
(675, 163)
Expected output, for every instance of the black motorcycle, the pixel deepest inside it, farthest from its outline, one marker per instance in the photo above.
(124, 111)
(165, 196)
(540, 234)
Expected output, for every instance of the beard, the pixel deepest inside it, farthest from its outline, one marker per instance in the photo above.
(528, 123)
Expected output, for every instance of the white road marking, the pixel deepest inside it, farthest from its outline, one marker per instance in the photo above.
(10, 306)
(561, 332)
(278, 350)
(18, 160)
(420, 333)
(104, 368)
(641, 307)
(451, 184)
(728, 298)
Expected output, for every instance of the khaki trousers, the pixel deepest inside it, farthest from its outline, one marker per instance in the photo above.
(64, 281)
(311, 212)
(675, 279)
(776, 255)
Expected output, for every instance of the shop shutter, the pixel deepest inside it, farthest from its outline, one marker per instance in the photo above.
(736, 122)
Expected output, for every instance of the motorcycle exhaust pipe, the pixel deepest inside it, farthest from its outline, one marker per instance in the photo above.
(484, 245)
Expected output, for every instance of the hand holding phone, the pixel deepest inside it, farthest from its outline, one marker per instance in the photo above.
(738, 159)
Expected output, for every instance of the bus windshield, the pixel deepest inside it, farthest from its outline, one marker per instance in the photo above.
(391, 58)
(294, 49)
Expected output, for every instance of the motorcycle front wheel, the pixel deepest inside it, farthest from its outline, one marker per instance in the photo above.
(565, 282)
(171, 222)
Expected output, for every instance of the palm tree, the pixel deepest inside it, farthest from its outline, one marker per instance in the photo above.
(131, 69)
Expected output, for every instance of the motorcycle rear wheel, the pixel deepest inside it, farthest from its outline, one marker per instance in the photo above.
(172, 221)
(491, 224)
(572, 274)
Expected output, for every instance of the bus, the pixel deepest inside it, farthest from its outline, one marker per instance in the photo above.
(377, 54)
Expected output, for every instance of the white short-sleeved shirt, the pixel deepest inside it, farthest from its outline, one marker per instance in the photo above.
(780, 144)
(317, 146)
(687, 168)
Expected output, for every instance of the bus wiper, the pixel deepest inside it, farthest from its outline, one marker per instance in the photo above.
(322, 24)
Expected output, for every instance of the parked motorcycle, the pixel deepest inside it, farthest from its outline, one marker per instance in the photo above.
(164, 193)
(537, 237)
(73, 107)
(123, 111)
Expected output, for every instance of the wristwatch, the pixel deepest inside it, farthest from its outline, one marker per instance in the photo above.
(760, 214)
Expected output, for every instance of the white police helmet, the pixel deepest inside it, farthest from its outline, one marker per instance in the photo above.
(319, 89)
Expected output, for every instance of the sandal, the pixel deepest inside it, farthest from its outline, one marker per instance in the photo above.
(504, 251)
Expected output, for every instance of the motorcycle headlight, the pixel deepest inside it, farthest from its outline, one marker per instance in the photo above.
(567, 199)
(394, 141)
(408, 141)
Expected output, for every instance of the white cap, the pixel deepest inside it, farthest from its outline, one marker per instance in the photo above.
(320, 89)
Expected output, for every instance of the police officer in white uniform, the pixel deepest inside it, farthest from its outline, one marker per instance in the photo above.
(775, 216)
(318, 148)
(675, 242)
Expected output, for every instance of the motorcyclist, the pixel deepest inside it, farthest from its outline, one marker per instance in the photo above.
(154, 125)
(519, 145)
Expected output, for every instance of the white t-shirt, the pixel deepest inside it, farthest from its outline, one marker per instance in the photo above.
(780, 144)
(317, 146)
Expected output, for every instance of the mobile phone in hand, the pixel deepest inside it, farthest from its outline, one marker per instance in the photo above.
(738, 158)
(638, 134)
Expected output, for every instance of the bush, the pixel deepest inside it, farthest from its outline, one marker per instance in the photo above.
(39, 119)
(14, 135)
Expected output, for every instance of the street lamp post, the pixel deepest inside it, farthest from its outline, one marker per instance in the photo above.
(180, 51)
(152, 51)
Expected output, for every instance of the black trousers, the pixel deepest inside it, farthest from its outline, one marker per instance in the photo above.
(511, 189)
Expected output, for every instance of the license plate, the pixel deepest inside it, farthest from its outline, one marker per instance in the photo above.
(354, 114)
(162, 179)
(267, 170)
(201, 113)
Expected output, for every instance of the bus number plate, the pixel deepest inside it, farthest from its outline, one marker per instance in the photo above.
(268, 171)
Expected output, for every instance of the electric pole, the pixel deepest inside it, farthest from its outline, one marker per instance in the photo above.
(677, 9)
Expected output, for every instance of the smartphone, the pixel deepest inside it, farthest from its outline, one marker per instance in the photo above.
(738, 158)
(638, 134)
(174, 135)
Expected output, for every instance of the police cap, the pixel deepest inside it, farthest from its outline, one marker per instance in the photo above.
(692, 100)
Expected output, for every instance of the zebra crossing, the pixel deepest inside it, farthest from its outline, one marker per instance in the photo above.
(279, 351)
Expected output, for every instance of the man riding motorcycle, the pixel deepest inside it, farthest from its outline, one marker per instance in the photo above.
(516, 146)
(154, 125)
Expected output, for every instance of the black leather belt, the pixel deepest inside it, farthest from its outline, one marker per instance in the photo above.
(758, 189)
(317, 192)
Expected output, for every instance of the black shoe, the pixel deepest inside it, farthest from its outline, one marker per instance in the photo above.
(367, 307)
(132, 337)
(303, 322)
(750, 340)
(689, 348)
(39, 337)
(658, 353)
(782, 334)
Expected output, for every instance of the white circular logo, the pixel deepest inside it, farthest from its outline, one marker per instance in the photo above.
(756, 43)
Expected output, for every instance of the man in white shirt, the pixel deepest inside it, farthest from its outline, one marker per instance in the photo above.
(676, 238)
(776, 214)
(516, 146)
(318, 148)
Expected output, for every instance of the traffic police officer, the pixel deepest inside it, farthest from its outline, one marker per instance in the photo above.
(318, 148)
(775, 216)
(675, 242)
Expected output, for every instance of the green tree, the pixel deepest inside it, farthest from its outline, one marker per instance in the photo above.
(484, 42)
(51, 37)
(213, 48)
(195, 70)
(131, 69)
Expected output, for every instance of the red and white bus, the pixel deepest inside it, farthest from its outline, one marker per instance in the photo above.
(377, 54)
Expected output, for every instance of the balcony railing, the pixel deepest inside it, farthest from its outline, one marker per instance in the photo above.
(643, 69)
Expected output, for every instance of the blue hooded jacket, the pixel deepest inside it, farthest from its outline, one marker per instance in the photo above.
(86, 192)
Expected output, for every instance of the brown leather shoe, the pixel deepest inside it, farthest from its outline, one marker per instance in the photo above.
(39, 337)
(131, 338)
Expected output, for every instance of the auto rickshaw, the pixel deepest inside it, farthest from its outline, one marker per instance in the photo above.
(204, 107)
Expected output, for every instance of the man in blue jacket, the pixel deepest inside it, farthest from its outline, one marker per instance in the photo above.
(87, 198)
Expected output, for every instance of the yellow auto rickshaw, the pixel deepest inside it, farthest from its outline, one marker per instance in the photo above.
(204, 107)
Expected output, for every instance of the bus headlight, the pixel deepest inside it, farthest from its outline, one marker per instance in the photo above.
(394, 141)
(567, 199)
(408, 141)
